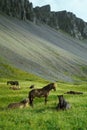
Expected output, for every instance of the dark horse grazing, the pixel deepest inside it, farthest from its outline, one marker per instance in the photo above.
(73, 92)
(13, 83)
(43, 92)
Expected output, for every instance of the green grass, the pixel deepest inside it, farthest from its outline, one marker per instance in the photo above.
(43, 117)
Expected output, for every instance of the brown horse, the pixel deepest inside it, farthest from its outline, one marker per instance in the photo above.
(43, 92)
(22, 104)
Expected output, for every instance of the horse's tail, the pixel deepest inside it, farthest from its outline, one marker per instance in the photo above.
(31, 87)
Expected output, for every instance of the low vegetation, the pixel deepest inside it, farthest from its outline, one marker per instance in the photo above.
(41, 117)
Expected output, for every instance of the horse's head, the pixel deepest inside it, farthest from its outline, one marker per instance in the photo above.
(54, 85)
(25, 101)
(8, 82)
(60, 97)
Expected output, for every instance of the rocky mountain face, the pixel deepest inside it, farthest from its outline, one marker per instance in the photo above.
(62, 20)
(21, 9)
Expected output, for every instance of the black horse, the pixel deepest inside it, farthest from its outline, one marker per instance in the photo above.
(13, 83)
(43, 92)
(62, 104)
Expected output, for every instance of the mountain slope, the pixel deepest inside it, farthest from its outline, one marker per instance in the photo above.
(41, 50)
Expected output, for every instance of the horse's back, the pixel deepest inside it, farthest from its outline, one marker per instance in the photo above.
(35, 92)
(16, 83)
(13, 83)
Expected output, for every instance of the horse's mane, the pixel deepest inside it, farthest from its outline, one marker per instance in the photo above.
(49, 86)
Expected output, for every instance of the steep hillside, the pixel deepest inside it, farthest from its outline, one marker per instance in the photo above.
(7, 71)
(42, 50)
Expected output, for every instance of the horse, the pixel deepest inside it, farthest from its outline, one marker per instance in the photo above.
(13, 83)
(43, 92)
(15, 88)
(73, 92)
(63, 104)
(22, 104)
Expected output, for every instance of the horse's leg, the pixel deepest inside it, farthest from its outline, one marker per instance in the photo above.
(31, 102)
(45, 100)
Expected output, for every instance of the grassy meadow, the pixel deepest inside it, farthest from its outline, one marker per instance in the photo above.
(42, 117)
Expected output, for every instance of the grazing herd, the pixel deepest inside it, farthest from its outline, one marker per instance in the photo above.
(42, 92)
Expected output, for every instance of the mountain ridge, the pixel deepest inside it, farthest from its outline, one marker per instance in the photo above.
(60, 20)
